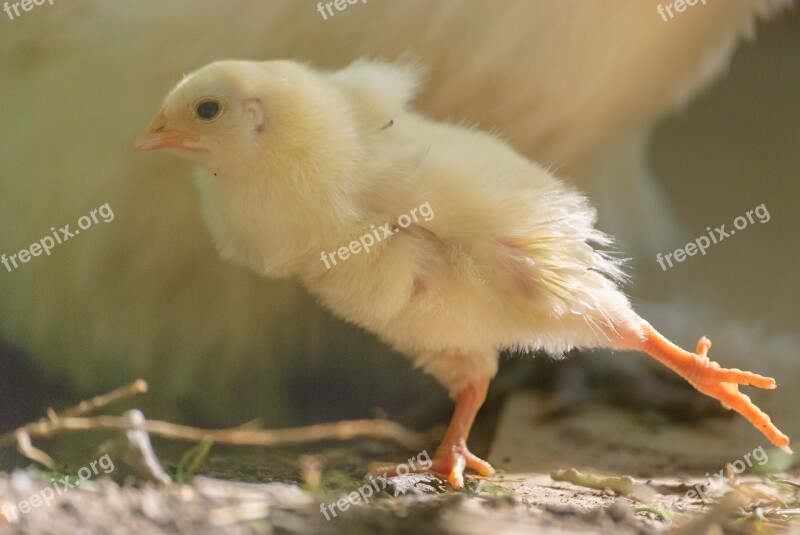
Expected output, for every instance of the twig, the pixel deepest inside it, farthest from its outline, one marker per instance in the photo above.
(26, 447)
(98, 402)
(22, 437)
(344, 430)
(73, 420)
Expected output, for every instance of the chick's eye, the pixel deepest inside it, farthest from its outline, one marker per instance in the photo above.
(208, 109)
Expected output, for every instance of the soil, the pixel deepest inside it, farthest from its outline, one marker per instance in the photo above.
(283, 490)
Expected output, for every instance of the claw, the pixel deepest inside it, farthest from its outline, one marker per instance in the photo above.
(703, 345)
(713, 380)
(453, 463)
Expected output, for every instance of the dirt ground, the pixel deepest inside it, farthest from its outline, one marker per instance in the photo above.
(597, 470)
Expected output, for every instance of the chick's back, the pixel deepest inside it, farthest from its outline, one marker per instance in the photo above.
(506, 248)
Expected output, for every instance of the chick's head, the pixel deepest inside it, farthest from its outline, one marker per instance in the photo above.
(252, 118)
(281, 148)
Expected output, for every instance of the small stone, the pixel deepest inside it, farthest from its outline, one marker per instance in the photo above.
(620, 511)
(21, 481)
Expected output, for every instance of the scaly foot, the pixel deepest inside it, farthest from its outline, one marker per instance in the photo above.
(451, 463)
(452, 456)
(711, 379)
(448, 462)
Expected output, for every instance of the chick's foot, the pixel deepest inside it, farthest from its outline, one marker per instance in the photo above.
(452, 456)
(450, 462)
(713, 380)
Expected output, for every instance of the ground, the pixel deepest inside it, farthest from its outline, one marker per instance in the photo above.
(547, 468)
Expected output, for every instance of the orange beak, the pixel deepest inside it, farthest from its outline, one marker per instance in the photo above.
(159, 136)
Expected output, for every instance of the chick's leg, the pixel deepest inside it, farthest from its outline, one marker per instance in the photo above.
(452, 456)
(710, 378)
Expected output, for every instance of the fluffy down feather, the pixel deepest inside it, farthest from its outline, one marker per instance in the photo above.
(568, 82)
(295, 168)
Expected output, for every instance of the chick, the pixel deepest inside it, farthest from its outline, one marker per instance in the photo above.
(294, 163)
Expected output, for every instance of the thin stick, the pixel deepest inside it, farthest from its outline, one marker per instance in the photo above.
(30, 451)
(74, 419)
(23, 438)
(344, 430)
(98, 402)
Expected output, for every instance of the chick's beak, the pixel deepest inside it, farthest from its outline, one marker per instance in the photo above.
(159, 135)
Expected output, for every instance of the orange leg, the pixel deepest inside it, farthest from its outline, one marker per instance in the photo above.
(452, 456)
(709, 378)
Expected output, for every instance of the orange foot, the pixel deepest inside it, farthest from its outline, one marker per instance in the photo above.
(448, 462)
(452, 456)
(711, 379)
(451, 463)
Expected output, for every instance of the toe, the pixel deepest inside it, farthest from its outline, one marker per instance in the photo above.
(453, 465)
(703, 345)
(456, 476)
(735, 400)
(711, 373)
(709, 377)
(744, 378)
(479, 465)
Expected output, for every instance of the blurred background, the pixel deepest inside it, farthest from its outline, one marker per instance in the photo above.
(669, 127)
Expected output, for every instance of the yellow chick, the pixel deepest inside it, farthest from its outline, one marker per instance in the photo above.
(439, 238)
